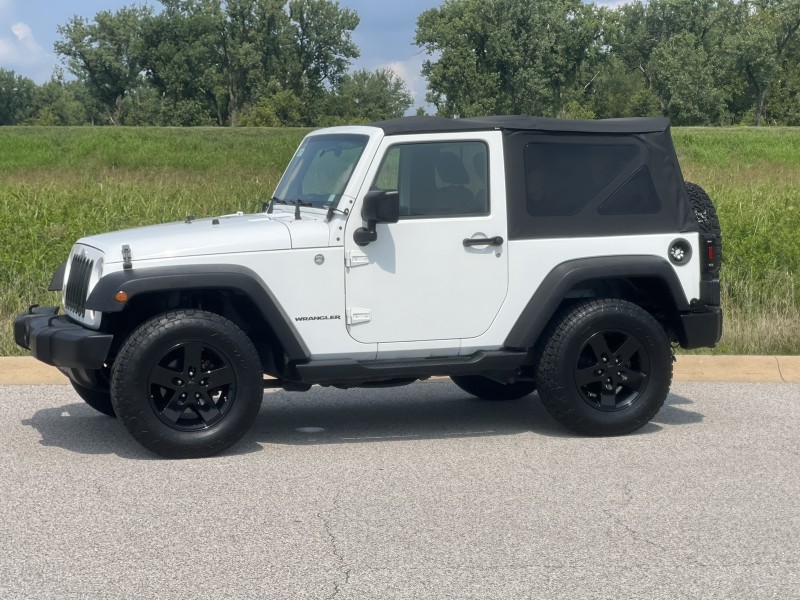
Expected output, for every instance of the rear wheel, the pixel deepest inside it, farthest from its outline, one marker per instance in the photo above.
(187, 383)
(488, 389)
(604, 368)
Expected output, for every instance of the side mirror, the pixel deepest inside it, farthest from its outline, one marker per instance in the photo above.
(380, 206)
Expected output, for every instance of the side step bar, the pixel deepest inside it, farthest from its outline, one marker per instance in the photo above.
(348, 371)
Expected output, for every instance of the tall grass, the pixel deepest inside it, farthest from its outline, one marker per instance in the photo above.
(58, 184)
(753, 176)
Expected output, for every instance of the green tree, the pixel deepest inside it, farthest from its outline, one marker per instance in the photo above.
(618, 91)
(760, 47)
(182, 61)
(682, 75)
(217, 54)
(678, 49)
(17, 98)
(60, 102)
(106, 54)
(373, 95)
(323, 44)
(507, 56)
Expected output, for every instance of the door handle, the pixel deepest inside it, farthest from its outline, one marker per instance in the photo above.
(492, 241)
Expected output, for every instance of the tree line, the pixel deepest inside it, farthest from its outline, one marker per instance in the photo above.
(272, 62)
(699, 62)
(205, 62)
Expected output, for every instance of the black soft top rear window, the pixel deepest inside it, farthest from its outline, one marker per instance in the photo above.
(577, 184)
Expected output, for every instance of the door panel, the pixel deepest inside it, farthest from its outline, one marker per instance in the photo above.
(419, 281)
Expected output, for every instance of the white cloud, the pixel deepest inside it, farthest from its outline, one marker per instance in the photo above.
(409, 71)
(21, 50)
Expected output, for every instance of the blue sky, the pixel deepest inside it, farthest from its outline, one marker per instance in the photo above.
(28, 30)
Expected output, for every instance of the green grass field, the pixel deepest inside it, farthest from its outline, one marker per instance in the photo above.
(58, 184)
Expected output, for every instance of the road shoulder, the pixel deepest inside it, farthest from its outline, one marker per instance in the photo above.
(24, 370)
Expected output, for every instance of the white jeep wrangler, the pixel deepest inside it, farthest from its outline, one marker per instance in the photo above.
(512, 254)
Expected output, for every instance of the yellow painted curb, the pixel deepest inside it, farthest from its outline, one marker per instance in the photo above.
(753, 369)
(24, 370)
(790, 368)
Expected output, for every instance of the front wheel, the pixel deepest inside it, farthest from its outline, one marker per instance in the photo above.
(604, 368)
(187, 383)
(97, 399)
(488, 389)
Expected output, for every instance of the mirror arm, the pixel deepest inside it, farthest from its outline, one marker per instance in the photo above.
(364, 235)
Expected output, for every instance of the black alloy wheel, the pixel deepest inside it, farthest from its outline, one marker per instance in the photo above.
(187, 383)
(604, 367)
(612, 371)
(192, 386)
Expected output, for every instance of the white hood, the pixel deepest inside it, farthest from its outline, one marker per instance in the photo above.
(203, 237)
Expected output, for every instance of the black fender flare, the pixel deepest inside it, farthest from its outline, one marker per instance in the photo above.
(561, 279)
(135, 282)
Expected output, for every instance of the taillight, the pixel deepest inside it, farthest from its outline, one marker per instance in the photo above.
(712, 256)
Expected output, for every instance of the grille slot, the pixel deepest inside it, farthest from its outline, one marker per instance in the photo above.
(75, 293)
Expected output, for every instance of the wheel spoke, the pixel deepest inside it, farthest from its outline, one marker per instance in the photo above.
(628, 349)
(634, 380)
(164, 377)
(608, 398)
(192, 357)
(599, 346)
(207, 411)
(586, 376)
(173, 410)
(220, 377)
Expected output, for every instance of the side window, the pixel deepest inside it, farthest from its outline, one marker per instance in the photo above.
(437, 179)
(561, 178)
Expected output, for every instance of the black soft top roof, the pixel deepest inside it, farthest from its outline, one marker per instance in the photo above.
(410, 125)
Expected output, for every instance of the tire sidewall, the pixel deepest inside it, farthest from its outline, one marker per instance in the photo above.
(634, 322)
(148, 345)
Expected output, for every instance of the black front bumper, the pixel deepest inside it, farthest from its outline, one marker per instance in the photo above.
(701, 329)
(58, 341)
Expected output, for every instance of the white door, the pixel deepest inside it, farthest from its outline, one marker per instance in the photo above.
(441, 272)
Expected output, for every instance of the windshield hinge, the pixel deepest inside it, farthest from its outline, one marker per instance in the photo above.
(355, 259)
(358, 315)
(127, 257)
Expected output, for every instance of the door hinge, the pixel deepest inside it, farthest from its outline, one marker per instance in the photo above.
(355, 259)
(358, 315)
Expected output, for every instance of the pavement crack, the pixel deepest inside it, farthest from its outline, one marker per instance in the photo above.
(345, 570)
(641, 537)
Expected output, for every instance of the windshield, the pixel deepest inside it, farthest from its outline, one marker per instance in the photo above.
(320, 169)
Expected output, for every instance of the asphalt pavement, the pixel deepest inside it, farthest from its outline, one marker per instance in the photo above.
(414, 492)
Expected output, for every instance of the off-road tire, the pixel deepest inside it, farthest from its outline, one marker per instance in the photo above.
(187, 384)
(706, 215)
(489, 389)
(572, 373)
(98, 400)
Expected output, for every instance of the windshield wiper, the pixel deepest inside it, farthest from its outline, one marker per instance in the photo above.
(296, 203)
(269, 205)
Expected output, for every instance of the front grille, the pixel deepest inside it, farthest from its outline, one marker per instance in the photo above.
(75, 293)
